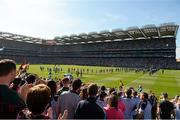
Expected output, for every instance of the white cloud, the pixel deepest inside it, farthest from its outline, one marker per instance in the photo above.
(32, 17)
(42, 18)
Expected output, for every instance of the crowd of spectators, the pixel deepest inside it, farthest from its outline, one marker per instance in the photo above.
(34, 98)
(129, 53)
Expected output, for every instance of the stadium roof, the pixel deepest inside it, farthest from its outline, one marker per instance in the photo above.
(20, 38)
(131, 33)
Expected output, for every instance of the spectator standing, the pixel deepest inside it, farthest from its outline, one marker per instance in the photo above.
(30, 80)
(144, 111)
(153, 100)
(69, 99)
(65, 83)
(89, 109)
(177, 109)
(83, 94)
(101, 99)
(53, 103)
(10, 102)
(137, 100)
(130, 105)
(165, 108)
(112, 111)
(37, 101)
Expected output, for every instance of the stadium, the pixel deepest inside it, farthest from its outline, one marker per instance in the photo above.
(147, 47)
(89, 59)
(104, 57)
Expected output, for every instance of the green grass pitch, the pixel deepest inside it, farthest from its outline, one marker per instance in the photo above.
(158, 82)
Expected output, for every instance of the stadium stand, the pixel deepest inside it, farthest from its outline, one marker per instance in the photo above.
(149, 46)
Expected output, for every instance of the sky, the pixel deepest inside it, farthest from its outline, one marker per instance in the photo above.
(49, 18)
